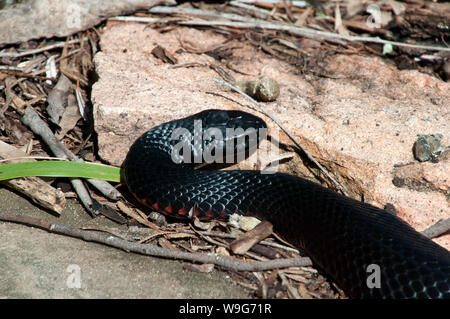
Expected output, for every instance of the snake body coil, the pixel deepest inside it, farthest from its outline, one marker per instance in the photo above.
(349, 240)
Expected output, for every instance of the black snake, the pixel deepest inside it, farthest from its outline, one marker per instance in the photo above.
(344, 237)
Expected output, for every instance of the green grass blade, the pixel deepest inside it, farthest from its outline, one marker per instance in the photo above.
(60, 169)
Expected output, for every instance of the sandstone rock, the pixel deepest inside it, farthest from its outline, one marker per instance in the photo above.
(360, 123)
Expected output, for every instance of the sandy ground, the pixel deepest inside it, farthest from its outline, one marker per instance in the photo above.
(37, 264)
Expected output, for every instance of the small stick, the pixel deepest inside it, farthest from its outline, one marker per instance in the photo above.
(306, 32)
(260, 13)
(299, 145)
(231, 236)
(295, 3)
(37, 125)
(56, 45)
(152, 250)
(26, 158)
(439, 228)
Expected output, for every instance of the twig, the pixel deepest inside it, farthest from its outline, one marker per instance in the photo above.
(187, 65)
(198, 12)
(38, 126)
(10, 68)
(26, 158)
(295, 3)
(134, 19)
(56, 45)
(104, 187)
(26, 75)
(244, 22)
(152, 250)
(231, 236)
(309, 33)
(297, 143)
(439, 228)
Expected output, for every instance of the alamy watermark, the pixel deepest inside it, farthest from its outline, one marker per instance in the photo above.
(74, 14)
(74, 279)
(374, 278)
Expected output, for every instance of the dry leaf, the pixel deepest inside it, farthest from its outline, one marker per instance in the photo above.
(247, 240)
(204, 225)
(164, 55)
(243, 222)
(70, 117)
(57, 99)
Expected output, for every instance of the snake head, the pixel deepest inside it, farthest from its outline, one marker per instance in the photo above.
(229, 136)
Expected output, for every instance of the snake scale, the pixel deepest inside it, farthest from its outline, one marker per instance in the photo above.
(345, 238)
